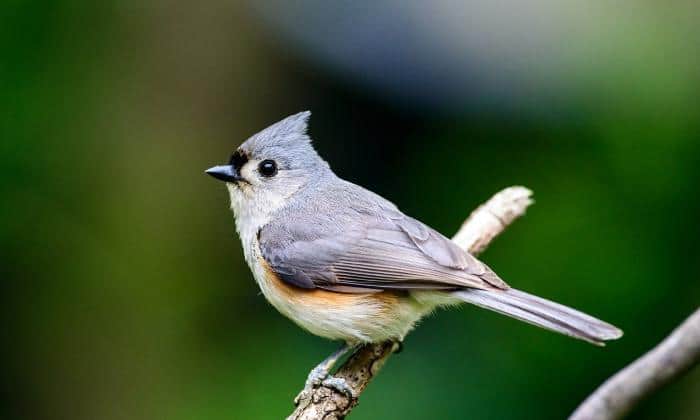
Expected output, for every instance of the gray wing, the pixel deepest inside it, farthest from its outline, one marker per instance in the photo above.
(359, 252)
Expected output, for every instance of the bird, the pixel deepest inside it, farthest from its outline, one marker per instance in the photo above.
(346, 264)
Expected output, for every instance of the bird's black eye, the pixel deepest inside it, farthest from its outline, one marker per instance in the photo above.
(268, 168)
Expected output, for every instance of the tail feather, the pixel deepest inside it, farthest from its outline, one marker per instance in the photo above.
(543, 313)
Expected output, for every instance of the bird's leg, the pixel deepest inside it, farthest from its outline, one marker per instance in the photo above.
(321, 371)
(320, 374)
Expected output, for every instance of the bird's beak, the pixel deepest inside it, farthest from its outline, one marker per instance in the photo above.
(225, 173)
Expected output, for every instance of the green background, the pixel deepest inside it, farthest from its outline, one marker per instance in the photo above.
(125, 291)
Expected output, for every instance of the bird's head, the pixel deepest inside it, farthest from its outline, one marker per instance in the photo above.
(271, 166)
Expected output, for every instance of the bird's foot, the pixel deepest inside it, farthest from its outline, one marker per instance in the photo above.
(320, 377)
(316, 377)
(340, 385)
(314, 380)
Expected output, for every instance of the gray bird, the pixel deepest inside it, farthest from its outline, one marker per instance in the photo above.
(346, 264)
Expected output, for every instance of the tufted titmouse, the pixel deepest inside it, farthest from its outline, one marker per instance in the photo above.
(347, 264)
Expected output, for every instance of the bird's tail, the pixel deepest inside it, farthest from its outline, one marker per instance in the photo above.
(543, 313)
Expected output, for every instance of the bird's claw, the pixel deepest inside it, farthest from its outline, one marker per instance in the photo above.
(314, 380)
(340, 385)
(320, 377)
(304, 394)
(316, 377)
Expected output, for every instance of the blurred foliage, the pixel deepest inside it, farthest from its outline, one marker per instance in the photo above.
(126, 294)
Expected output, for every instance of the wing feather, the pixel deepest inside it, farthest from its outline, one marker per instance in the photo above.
(372, 252)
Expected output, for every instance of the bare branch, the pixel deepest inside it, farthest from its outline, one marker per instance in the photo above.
(674, 356)
(492, 218)
(477, 232)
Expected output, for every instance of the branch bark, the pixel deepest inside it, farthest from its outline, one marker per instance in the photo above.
(670, 359)
(476, 233)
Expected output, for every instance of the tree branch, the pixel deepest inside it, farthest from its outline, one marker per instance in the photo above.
(679, 352)
(477, 232)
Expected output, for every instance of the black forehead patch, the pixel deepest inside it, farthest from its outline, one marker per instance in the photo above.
(238, 159)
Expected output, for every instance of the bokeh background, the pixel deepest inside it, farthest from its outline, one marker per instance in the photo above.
(125, 291)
